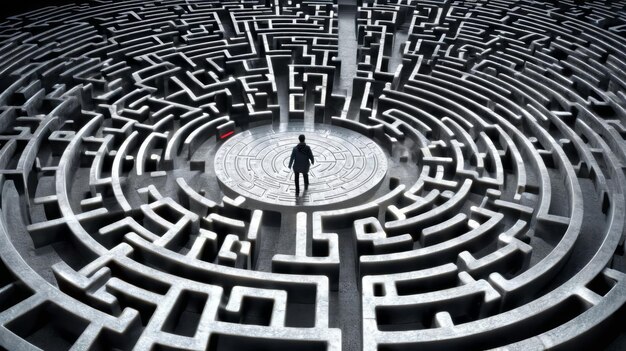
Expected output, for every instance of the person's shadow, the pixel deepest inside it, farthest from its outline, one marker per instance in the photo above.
(300, 198)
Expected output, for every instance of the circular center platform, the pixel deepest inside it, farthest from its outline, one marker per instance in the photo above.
(255, 164)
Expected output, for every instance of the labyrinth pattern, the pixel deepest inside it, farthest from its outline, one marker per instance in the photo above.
(494, 132)
(255, 164)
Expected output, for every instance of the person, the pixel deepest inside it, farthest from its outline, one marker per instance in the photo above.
(300, 156)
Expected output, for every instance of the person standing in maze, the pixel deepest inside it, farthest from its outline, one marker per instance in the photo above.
(300, 157)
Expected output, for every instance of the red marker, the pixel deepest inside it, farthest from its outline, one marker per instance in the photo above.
(226, 135)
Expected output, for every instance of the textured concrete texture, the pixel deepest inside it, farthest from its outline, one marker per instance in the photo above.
(468, 192)
(255, 164)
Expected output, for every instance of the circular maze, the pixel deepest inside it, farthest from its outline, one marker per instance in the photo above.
(256, 164)
(468, 194)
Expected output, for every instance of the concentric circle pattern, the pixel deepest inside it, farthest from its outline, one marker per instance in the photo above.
(468, 194)
(255, 164)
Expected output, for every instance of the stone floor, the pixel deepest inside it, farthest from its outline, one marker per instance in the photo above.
(255, 164)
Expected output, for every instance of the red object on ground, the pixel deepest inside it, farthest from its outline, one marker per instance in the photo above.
(226, 135)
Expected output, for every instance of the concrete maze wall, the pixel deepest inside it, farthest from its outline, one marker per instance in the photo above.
(468, 192)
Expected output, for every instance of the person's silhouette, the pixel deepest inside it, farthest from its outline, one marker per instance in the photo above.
(300, 156)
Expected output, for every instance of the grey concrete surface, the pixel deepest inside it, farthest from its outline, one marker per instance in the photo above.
(255, 164)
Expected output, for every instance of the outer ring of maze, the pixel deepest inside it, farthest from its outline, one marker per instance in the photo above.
(254, 164)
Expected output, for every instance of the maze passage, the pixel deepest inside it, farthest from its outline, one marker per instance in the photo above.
(468, 191)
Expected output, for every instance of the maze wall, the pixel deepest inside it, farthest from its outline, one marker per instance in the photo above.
(468, 194)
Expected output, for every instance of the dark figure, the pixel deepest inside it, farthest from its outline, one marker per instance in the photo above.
(300, 157)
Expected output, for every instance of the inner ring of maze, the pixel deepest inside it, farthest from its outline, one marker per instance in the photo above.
(255, 164)
(484, 206)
